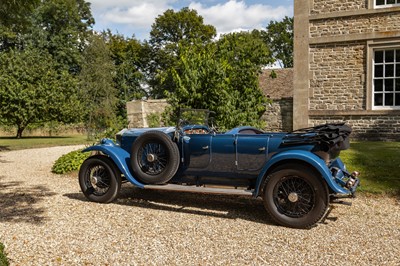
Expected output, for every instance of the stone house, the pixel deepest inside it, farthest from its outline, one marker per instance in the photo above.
(347, 65)
(279, 88)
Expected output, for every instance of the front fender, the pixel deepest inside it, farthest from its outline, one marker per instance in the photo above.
(303, 156)
(119, 156)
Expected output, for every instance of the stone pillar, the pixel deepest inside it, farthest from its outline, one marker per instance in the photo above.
(135, 113)
(301, 64)
(138, 110)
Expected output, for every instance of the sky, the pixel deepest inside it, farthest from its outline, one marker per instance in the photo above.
(135, 17)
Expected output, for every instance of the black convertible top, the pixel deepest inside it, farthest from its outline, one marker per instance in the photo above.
(331, 134)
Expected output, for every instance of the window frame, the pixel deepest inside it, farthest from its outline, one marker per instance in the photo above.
(372, 47)
(385, 5)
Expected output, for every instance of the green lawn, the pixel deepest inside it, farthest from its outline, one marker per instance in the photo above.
(378, 163)
(3, 256)
(11, 143)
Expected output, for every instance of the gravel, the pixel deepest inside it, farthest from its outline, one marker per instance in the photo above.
(45, 220)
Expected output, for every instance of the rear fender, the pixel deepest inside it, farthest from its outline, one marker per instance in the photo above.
(303, 157)
(120, 157)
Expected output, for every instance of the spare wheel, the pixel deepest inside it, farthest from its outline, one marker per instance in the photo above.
(154, 157)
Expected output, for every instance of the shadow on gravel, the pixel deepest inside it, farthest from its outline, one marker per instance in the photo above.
(4, 148)
(1, 160)
(18, 204)
(220, 206)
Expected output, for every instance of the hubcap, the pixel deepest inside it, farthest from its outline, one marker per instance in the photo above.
(94, 180)
(151, 157)
(98, 179)
(293, 197)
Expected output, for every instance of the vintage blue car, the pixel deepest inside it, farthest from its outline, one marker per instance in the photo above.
(297, 174)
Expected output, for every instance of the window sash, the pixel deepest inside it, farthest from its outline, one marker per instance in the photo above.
(386, 3)
(386, 78)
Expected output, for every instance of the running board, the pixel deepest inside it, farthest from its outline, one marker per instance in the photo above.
(209, 190)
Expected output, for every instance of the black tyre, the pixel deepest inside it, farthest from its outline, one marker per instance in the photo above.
(99, 179)
(154, 157)
(295, 196)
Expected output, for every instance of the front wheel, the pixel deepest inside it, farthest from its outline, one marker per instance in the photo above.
(99, 180)
(295, 196)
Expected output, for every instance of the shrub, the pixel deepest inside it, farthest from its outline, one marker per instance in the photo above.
(3, 257)
(69, 162)
(97, 133)
(154, 120)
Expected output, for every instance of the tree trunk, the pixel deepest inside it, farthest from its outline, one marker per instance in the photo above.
(19, 132)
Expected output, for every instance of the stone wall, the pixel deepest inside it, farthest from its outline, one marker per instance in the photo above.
(329, 6)
(279, 88)
(366, 127)
(279, 115)
(139, 110)
(337, 76)
(370, 23)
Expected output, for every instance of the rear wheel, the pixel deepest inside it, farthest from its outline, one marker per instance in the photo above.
(99, 180)
(154, 157)
(295, 196)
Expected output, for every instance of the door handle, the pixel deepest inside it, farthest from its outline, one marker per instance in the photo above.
(261, 149)
(205, 147)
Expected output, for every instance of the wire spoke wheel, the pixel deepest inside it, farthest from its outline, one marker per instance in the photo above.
(152, 158)
(294, 197)
(99, 179)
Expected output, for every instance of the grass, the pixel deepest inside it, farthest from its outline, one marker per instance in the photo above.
(11, 143)
(378, 163)
(3, 256)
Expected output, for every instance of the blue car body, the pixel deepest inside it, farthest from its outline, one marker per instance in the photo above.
(232, 158)
(283, 168)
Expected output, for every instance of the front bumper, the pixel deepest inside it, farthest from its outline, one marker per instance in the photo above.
(346, 180)
(353, 182)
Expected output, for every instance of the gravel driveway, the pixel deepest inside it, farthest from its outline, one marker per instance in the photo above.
(45, 220)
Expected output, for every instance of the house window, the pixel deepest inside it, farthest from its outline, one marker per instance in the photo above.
(386, 3)
(386, 79)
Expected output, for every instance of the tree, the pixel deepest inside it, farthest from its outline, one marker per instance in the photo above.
(62, 27)
(33, 91)
(200, 82)
(169, 31)
(222, 77)
(97, 86)
(246, 54)
(129, 60)
(14, 12)
(279, 38)
(14, 21)
(184, 26)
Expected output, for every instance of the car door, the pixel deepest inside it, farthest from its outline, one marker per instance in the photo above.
(222, 155)
(251, 151)
(198, 147)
